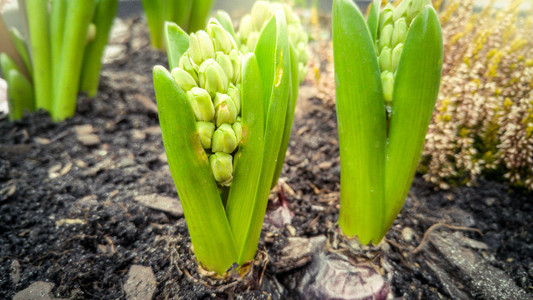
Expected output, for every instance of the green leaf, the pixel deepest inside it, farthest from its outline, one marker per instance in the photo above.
(178, 11)
(177, 42)
(293, 96)
(22, 49)
(273, 46)
(225, 20)
(362, 124)
(416, 89)
(373, 19)
(66, 86)
(248, 160)
(92, 59)
(210, 232)
(38, 25)
(200, 11)
(20, 95)
(154, 16)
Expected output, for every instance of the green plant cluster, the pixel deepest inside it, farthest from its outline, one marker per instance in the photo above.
(61, 58)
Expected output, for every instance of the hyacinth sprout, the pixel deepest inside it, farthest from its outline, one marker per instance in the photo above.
(224, 115)
(387, 71)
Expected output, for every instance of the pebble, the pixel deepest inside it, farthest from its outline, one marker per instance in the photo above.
(141, 283)
(38, 290)
(146, 102)
(137, 134)
(408, 234)
(15, 271)
(169, 205)
(490, 201)
(154, 130)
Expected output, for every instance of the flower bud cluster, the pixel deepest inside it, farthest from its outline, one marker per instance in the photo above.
(209, 72)
(394, 23)
(251, 25)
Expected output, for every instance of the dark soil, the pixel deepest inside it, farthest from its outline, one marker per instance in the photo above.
(68, 214)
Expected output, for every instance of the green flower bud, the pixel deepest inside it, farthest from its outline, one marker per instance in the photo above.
(222, 167)
(387, 81)
(224, 139)
(225, 63)
(396, 55)
(385, 17)
(186, 64)
(400, 32)
(225, 109)
(385, 36)
(201, 104)
(183, 79)
(91, 33)
(235, 94)
(245, 28)
(237, 127)
(385, 59)
(223, 41)
(212, 77)
(415, 7)
(205, 130)
(201, 47)
(401, 10)
(236, 61)
(260, 14)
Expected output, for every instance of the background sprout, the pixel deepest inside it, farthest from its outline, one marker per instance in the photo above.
(383, 114)
(190, 15)
(62, 60)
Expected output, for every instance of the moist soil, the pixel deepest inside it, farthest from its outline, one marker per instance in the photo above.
(69, 215)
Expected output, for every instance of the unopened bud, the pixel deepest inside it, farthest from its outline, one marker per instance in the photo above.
(385, 59)
(201, 47)
(225, 110)
(183, 79)
(245, 28)
(222, 167)
(386, 36)
(186, 64)
(236, 61)
(260, 14)
(91, 33)
(234, 92)
(205, 131)
(396, 55)
(225, 63)
(223, 41)
(385, 17)
(400, 32)
(252, 40)
(237, 127)
(212, 77)
(401, 10)
(224, 139)
(387, 82)
(201, 104)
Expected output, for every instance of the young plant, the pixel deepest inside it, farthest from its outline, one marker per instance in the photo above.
(190, 15)
(387, 71)
(66, 46)
(222, 115)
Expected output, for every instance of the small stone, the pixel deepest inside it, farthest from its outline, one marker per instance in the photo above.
(66, 169)
(42, 141)
(163, 158)
(291, 230)
(113, 53)
(490, 201)
(15, 271)
(83, 129)
(169, 205)
(89, 139)
(325, 165)
(138, 135)
(408, 234)
(39, 290)
(153, 130)
(146, 102)
(141, 283)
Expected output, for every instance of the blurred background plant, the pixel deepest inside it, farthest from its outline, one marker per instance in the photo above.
(483, 122)
(190, 15)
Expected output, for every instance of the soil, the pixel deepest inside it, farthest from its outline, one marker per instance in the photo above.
(69, 214)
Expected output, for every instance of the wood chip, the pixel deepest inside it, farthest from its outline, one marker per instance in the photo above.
(169, 205)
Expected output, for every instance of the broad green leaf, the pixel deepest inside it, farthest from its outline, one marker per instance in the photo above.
(362, 124)
(293, 96)
(57, 31)
(177, 42)
(178, 11)
(200, 11)
(155, 18)
(66, 85)
(248, 160)
(20, 95)
(225, 20)
(210, 232)
(92, 59)
(415, 91)
(373, 19)
(38, 25)
(274, 45)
